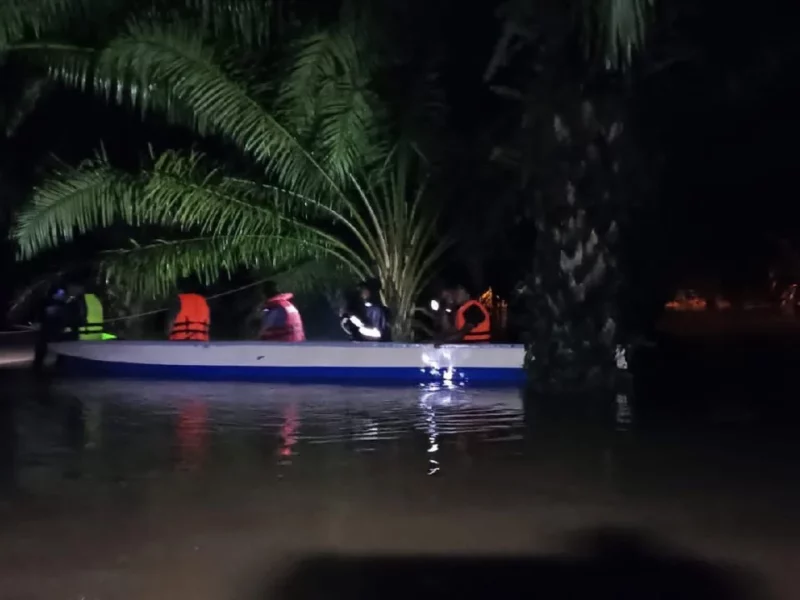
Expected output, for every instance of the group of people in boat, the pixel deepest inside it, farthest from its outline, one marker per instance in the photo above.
(73, 313)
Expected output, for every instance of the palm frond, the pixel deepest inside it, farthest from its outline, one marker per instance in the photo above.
(153, 268)
(348, 133)
(222, 222)
(405, 226)
(25, 297)
(179, 192)
(23, 19)
(326, 96)
(153, 66)
(615, 29)
(75, 201)
(183, 193)
(310, 275)
(248, 23)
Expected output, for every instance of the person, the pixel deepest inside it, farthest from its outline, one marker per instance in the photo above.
(354, 320)
(190, 319)
(471, 321)
(435, 320)
(376, 313)
(92, 327)
(280, 320)
(89, 313)
(51, 324)
(73, 311)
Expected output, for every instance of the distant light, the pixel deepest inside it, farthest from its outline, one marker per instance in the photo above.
(434, 305)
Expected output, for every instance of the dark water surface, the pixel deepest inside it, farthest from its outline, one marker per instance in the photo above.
(127, 489)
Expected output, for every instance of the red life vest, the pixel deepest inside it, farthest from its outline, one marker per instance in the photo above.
(292, 330)
(193, 320)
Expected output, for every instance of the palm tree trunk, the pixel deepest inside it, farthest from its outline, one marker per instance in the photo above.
(572, 295)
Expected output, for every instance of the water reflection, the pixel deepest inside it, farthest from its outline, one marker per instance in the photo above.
(192, 433)
(427, 399)
(121, 431)
(288, 435)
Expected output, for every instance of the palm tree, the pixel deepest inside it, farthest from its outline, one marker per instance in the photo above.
(562, 65)
(320, 174)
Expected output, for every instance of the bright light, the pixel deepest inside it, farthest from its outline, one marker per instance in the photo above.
(440, 364)
(370, 332)
(434, 305)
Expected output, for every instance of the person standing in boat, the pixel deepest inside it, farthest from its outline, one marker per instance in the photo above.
(189, 319)
(471, 323)
(280, 319)
(376, 313)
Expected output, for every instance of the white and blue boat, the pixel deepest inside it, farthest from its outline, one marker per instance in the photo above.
(306, 362)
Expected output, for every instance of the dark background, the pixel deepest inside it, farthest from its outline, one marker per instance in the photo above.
(714, 101)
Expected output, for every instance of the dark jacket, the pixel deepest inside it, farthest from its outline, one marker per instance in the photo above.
(377, 315)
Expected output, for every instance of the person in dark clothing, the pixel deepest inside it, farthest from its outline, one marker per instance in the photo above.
(50, 324)
(59, 319)
(377, 314)
(74, 312)
(353, 318)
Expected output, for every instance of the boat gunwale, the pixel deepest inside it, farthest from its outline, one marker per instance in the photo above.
(224, 343)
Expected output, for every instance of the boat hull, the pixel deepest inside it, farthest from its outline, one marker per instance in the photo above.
(308, 362)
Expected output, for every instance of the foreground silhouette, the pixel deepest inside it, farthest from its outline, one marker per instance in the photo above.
(606, 564)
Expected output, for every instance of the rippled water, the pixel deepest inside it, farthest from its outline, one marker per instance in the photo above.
(130, 489)
(141, 428)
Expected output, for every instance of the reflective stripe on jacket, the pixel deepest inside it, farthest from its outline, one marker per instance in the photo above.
(193, 320)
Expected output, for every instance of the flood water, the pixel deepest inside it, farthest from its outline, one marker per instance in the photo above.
(128, 489)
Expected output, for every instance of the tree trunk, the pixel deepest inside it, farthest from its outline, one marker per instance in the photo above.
(572, 296)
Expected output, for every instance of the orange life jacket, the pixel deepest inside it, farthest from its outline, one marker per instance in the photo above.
(482, 331)
(193, 321)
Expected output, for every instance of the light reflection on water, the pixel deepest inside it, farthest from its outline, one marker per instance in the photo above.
(124, 430)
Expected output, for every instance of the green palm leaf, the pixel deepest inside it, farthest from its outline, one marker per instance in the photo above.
(155, 66)
(615, 29)
(248, 23)
(75, 201)
(22, 19)
(152, 269)
(180, 193)
(327, 99)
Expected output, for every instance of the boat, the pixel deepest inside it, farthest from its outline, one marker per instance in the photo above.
(309, 362)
